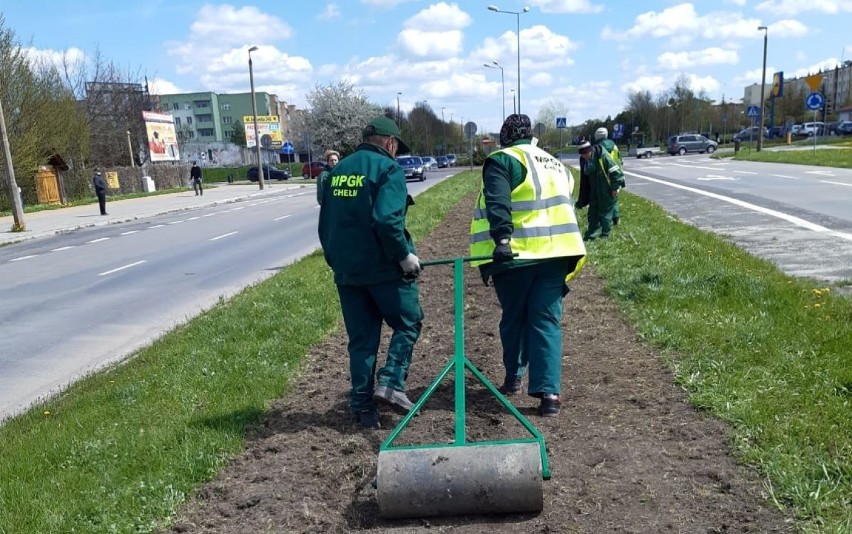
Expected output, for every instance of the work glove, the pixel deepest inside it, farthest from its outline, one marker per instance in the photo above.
(410, 266)
(502, 252)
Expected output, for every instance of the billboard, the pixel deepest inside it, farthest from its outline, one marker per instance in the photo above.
(268, 127)
(162, 140)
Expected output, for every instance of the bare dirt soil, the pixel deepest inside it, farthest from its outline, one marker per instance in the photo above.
(629, 454)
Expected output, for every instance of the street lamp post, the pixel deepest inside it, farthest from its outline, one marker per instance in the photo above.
(444, 132)
(762, 88)
(514, 109)
(398, 117)
(518, 20)
(254, 113)
(502, 82)
(19, 225)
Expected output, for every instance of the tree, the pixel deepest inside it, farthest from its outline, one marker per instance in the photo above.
(337, 116)
(238, 135)
(547, 115)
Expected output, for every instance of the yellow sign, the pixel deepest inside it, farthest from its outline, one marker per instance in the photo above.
(814, 81)
(112, 180)
(268, 127)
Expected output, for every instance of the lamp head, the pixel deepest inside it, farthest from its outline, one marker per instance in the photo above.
(492, 8)
(495, 62)
(526, 8)
(252, 49)
(762, 28)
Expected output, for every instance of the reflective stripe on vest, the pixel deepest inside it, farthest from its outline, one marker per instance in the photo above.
(545, 225)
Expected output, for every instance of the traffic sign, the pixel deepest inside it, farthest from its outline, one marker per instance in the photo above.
(539, 128)
(561, 122)
(287, 147)
(617, 130)
(470, 129)
(814, 101)
(753, 111)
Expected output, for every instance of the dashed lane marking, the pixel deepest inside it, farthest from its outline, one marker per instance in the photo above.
(123, 267)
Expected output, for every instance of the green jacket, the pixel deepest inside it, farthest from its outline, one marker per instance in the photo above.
(363, 206)
(599, 177)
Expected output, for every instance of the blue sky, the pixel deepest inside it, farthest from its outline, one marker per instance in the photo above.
(586, 55)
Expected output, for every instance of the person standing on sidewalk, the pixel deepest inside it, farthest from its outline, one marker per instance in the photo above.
(195, 176)
(525, 207)
(331, 158)
(100, 190)
(363, 208)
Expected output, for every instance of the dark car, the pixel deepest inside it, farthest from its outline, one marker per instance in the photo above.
(844, 128)
(269, 173)
(443, 162)
(413, 167)
(682, 144)
(313, 169)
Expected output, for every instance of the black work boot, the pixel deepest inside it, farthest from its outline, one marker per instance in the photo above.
(510, 386)
(550, 405)
(368, 418)
(615, 221)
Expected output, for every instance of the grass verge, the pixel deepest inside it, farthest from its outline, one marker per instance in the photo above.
(767, 353)
(120, 450)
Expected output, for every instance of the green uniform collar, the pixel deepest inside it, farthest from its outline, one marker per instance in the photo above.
(373, 148)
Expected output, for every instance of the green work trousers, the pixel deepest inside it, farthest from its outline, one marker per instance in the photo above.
(531, 299)
(364, 309)
(600, 218)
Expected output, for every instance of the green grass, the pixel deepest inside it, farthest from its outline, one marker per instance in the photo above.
(766, 353)
(120, 450)
(823, 157)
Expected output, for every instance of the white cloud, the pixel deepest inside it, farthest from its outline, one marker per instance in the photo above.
(331, 12)
(540, 79)
(159, 86)
(752, 76)
(440, 17)
(384, 4)
(708, 56)
(654, 84)
(823, 66)
(425, 44)
(787, 28)
(227, 24)
(567, 6)
(73, 57)
(736, 2)
(708, 84)
(795, 7)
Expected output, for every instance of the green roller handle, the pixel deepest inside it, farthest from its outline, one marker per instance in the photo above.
(464, 259)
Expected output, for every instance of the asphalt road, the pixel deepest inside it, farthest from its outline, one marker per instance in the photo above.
(798, 217)
(76, 302)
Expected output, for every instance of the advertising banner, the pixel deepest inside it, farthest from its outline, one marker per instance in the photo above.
(162, 139)
(269, 131)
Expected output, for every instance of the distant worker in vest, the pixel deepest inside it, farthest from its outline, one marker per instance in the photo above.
(195, 178)
(100, 186)
(600, 181)
(602, 139)
(524, 220)
(362, 231)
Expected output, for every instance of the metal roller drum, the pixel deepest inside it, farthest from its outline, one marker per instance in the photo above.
(460, 480)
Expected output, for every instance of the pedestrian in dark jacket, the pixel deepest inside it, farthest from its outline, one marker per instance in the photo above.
(100, 190)
(601, 179)
(363, 207)
(195, 176)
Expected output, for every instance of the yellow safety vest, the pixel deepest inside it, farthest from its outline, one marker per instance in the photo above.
(545, 225)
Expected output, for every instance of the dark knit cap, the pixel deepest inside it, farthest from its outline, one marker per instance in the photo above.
(516, 126)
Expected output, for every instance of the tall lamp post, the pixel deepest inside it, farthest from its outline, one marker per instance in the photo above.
(398, 117)
(514, 108)
(518, 20)
(444, 132)
(254, 113)
(762, 88)
(503, 99)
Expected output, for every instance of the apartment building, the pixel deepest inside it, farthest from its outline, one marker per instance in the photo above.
(836, 86)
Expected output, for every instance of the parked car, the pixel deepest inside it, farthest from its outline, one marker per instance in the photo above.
(452, 159)
(682, 144)
(844, 128)
(269, 173)
(429, 163)
(442, 161)
(751, 134)
(312, 169)
(811, 129)
(413, 167)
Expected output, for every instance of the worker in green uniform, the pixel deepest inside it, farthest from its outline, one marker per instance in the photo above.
(524, 219)
(602, 139)
(363, 208)
(600, 181)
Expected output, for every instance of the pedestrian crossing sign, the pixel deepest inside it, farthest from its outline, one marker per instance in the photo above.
(561, 122)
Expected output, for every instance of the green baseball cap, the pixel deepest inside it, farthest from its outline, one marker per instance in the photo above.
(385, 126)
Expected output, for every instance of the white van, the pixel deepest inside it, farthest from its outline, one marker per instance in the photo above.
(812, 128)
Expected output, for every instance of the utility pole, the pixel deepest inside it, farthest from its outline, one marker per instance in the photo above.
(130, 149)
(11, 186)
(256, 132)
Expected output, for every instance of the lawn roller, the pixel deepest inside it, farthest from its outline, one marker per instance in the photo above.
(461, 478)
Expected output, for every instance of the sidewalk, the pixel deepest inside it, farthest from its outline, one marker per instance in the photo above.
(51, 222)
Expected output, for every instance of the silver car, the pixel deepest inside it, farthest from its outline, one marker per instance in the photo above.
(682, 144)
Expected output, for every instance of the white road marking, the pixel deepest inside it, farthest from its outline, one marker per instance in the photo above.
(238, 208)
(177, 222)
(221, 236)
(130, 232)
(128, 266)
(822, 173)
(745, 172)
(98, 240)
(766, 211)
(279, 218)
(24, 257)
(157, 226)
(193, 218)
(209, 214)
(715, 177)
(835, 183)
(62, 248)
(784, 176)
(692, 166)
